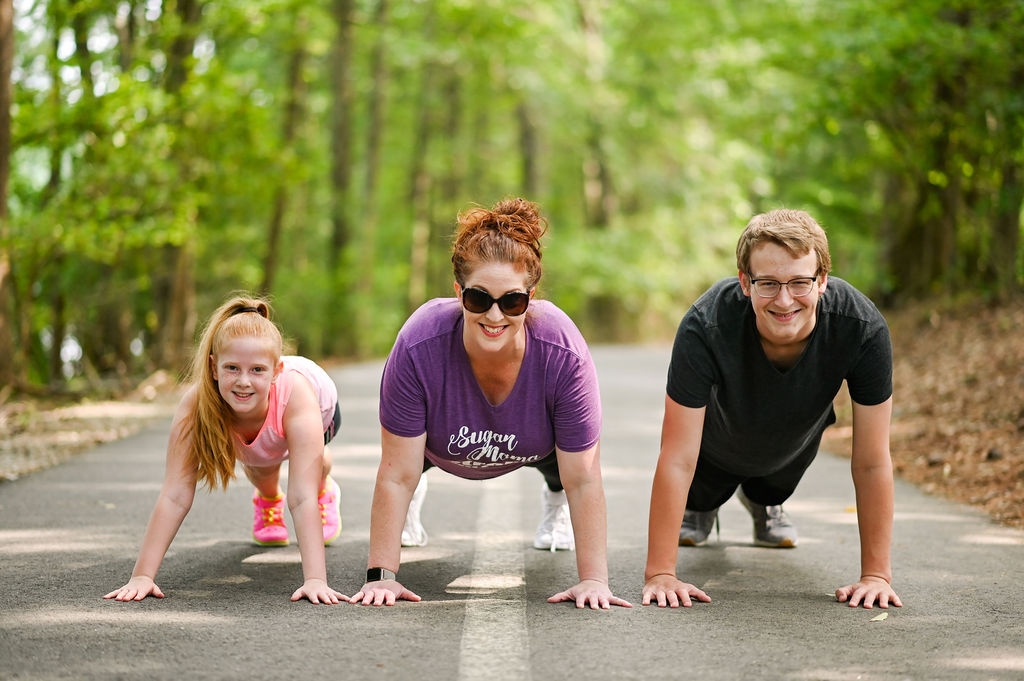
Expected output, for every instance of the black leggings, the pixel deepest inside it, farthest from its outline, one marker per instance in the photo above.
(712, 486)
(548, 467)
(332, 429)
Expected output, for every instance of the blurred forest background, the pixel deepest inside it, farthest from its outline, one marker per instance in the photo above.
(156, 155)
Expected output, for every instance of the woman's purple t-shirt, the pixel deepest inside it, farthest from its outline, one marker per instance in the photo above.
(428, 386)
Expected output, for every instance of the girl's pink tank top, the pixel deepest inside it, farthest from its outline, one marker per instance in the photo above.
(271, 444)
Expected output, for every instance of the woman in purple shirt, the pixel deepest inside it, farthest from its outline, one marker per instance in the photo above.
(485, 383)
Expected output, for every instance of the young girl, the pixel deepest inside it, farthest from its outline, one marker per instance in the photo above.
(250, 404)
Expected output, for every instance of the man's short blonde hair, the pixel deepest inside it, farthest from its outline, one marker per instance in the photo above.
(794, 230)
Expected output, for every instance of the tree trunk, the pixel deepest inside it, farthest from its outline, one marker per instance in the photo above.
(80, 27)
(925, 258)
(600, 201)
(289, 128)
(341, 129)
(7, 371)
(1005, 249)
(528, 150)
(1006, 245)
(419, 179)
(58, 299)
(274, 229)
(908, 256)
(598, 193)
(440, 266)
(178, 304)
(420, 251)
(188, 13)
(419, 195)
(479, 133)
(890, 227)
(376, 103)
(181, 319)
(56, 148)
(126, 28)
(452, 131)
(59, 326)
(943, 268)
(338, 334)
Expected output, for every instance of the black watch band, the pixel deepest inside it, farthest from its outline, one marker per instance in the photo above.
(379, 575)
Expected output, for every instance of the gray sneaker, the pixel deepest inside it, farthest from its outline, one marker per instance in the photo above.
(696, 527)
(771, 524)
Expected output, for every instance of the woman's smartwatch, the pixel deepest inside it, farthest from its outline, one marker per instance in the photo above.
(378, 574)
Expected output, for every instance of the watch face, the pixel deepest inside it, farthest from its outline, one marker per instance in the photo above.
(379, 574)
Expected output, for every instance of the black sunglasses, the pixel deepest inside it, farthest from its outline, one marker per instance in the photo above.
(513, 303)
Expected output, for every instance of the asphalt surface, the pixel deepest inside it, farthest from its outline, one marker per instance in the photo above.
(70, 534)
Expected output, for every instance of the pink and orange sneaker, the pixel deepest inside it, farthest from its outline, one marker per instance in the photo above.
(330, 510)
(268, 520)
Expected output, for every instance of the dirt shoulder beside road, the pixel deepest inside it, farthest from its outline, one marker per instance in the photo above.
(37, 434)
(958, 423)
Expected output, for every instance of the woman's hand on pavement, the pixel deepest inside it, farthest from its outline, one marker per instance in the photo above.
(317, 591)
(384, 592)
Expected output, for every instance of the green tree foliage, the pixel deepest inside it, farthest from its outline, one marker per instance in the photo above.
(166, 153)
(934, 91)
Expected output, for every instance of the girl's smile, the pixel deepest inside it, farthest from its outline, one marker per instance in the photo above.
(244, 369)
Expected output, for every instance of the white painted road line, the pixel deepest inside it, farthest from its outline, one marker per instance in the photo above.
(494, 633)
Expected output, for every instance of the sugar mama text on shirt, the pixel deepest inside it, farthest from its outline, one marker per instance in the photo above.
(488, 448)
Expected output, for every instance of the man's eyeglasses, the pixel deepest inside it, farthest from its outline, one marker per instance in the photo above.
(513, 303)
(769, 288)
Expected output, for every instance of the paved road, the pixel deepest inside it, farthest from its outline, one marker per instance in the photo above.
(70, 534)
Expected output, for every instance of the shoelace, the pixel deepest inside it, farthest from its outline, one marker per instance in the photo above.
(323, 504)
(323, 507)
(272, 515)
(774, 514)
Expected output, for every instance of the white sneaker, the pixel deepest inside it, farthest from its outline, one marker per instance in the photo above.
(413, 533)
(555, 530)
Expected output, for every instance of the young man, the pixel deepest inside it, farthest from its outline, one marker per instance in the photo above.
(756, 363)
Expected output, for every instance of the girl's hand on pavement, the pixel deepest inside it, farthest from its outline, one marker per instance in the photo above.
(317, 591)
(136, 589)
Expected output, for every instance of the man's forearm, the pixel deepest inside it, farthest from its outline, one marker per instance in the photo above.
(668, 503)
(875, 505)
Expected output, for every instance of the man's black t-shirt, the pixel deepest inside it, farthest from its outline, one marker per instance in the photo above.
(758, 417)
